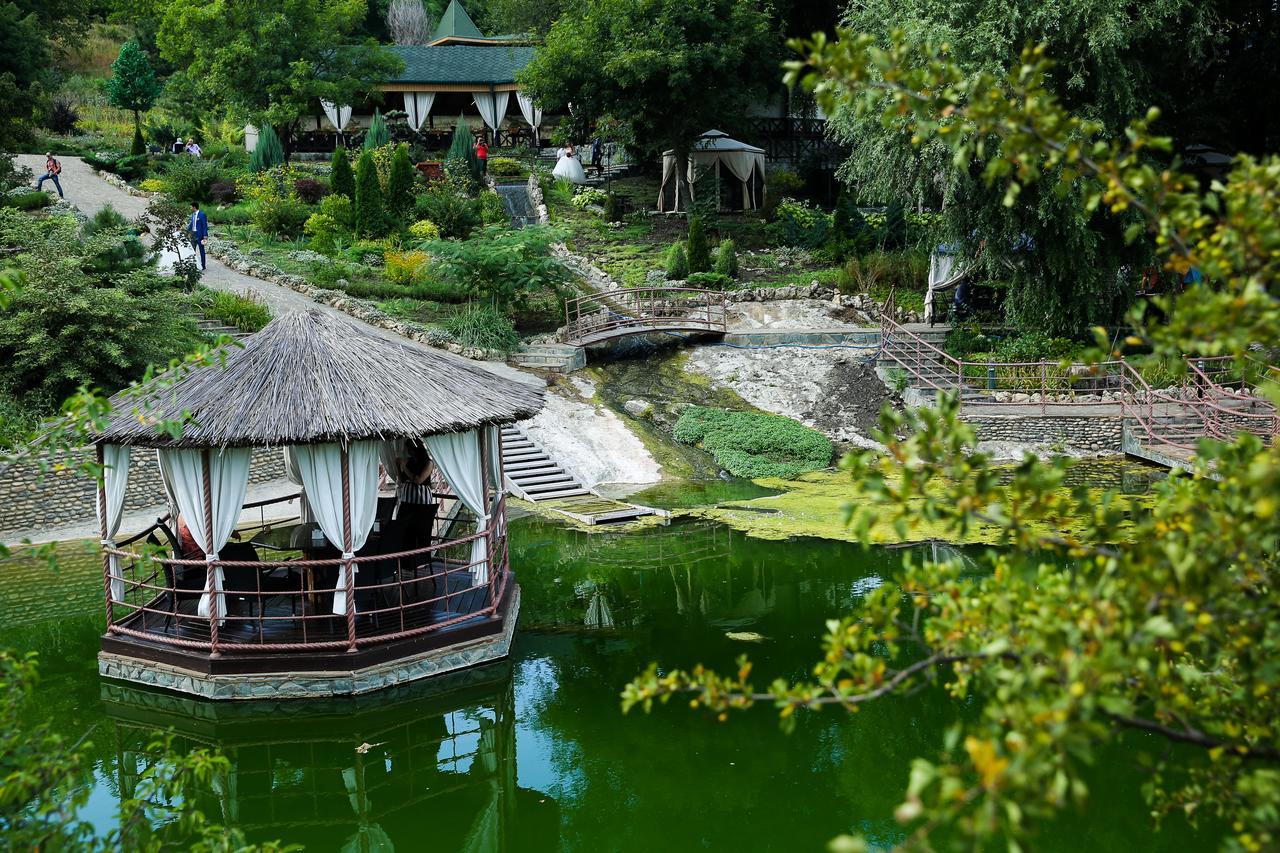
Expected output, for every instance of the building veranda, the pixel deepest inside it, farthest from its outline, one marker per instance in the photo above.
(368, 588)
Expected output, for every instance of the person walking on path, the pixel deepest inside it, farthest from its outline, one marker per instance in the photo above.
(482, 153)
(198, 230)
(52, 168)
(597, 156)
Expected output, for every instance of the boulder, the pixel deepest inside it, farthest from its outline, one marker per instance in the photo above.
(637, 408)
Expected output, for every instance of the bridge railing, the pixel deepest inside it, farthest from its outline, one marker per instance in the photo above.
(1211, 401)
(632, 310)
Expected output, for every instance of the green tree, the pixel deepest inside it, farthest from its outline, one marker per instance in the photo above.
(24, 71)
(378, 134)
(727, 259)
(371, 214)
(400, 182)
(677, 263)
(462, 149)
(666, 70)
(699, 248)
(267, 152)
(133, 86)
(500, 265)
(1161, 622)
(269, 61)
(341, 180)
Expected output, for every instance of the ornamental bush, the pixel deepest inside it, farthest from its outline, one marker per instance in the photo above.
(370, 215)
(280, 216)
(699, 248)
(506, 167)
(323, 231)
(191, 178)
(400, 182)
(424, 229)
(455, 215)
(377, 135)
(341, 179)
(404, 267)
(754, 444)
(727, 259)
(246, 312)
(801, 224)
(340, 209)
(268, 153)
(309, 190)
(482, 326)
(501, 265)
(677, 263)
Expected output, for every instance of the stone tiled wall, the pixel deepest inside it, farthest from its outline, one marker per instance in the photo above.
(30, 503)
(1097, 434)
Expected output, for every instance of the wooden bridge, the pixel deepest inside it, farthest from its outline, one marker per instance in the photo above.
(614, 314)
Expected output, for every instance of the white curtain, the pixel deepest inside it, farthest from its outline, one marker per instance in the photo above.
(293, 475)
(492, 106)
(457, 455)
(532, 114)
(321, 468)
(418, 106)
(339, 116)
(668, 171)
(741, 164)
(228, 482)
(389, 454)
(170, 499)
(115, 479)
(943, 275)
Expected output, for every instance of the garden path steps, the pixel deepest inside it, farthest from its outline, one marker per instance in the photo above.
(531, 474)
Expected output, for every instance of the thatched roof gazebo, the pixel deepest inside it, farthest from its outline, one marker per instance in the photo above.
(361, 588)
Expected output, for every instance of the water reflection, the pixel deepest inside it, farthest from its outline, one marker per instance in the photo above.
(368, 773)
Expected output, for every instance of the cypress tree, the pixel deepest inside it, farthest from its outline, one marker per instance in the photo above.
(378, 134)
(371, 217)
(699, 248)
(462, 148)
(268, 152)
(677, 263)
(341, 179)
(400, 182)
(727, 259)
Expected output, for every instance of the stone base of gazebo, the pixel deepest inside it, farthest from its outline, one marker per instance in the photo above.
(116, 662)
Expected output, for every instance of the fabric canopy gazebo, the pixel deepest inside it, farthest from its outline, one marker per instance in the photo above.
(338, 399)
(716, 153)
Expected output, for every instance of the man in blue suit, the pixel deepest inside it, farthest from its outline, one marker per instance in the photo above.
(198, 230)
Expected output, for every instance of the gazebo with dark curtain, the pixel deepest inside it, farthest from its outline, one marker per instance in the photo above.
(345, 406)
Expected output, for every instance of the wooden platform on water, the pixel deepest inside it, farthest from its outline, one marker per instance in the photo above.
(593, 509)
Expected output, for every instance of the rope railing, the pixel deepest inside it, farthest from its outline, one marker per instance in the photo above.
(288, 604)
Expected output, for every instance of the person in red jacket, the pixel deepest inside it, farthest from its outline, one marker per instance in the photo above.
(482, 152)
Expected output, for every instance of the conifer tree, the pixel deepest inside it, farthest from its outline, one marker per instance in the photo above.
(462, 148)
(268, 153)
(400, 182)
(133, 86)
(371, 217)
(699, 248)
(378, 134)
(341, 179)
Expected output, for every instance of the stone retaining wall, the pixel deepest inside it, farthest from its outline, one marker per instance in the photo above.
(1098, 434)
(29, 502)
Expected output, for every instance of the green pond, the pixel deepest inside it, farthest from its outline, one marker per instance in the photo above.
(534, 753)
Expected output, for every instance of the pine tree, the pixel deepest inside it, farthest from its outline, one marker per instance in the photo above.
(133, 86)
(268, 153)
(378, 134)
(341, 179)
(699, 248)
(400, 182)
(727, 259)
(371, 216)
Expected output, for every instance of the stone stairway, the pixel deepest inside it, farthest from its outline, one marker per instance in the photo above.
(213, 328)
(531, 473)
(558, 358)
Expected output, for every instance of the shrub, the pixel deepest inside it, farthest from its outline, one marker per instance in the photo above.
(245, 312)
(341, 179)
(754, 444)
(779, 185)
(34, 200)
(279, 216)
(309, 190)
(323, 230)
(224, 192)
(405, 267)
(106, 219)
(400, 182)
(893, 234)
(801, 224)
(378, 135)
(370, 216)
(727, 259)
(131, 168)
(966, 338)
(462, 150)
(268, 153)
(502, 265)
(709, 280)
(190, 178)
(482, 326)
(424, 229)
(699, 247)
(152, 185)
(506, 167)
(63, 117)
(589, 197)
(339, 208)
(492, 210)
(236, 214)
(677, 263)
(454, 215)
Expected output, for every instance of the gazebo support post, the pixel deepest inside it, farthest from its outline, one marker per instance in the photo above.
(348, 564)
(210, 566)
(483, 438)
(102, 526)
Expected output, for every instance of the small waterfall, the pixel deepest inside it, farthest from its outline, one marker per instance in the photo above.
(515, 197)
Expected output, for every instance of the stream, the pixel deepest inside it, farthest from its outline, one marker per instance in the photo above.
(534, 753)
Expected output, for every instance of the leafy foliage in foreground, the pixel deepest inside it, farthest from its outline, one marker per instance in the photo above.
(1173, 634)
(754, 444)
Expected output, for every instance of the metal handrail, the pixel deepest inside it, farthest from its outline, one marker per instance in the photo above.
(644, 307)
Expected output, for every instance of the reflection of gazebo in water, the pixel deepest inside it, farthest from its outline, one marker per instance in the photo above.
(716, 161)
(358, 773)
(374, 597)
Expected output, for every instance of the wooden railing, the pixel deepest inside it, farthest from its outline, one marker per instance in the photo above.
(637, 310)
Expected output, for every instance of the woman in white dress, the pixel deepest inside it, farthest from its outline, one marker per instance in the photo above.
(569, 167)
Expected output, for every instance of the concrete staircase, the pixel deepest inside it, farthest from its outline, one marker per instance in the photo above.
(558, 358)
(531, 473)
(213, 328)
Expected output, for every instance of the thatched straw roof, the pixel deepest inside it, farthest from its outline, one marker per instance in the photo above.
(312, 377)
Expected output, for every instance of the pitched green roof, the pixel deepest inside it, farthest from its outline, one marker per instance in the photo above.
(461, 63)
(456, 23)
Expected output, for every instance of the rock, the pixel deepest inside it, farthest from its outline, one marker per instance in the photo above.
(637, 408)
